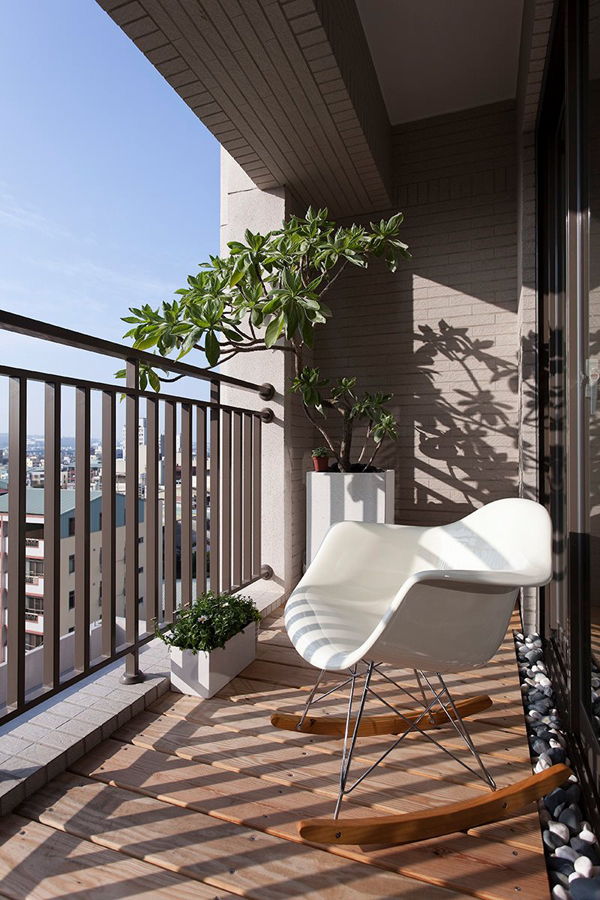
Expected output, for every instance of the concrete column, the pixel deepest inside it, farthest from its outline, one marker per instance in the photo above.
(244, 206)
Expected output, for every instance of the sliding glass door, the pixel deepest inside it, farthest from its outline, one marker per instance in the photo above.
(568, 165)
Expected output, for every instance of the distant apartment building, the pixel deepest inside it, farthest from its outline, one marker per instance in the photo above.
(34, 572)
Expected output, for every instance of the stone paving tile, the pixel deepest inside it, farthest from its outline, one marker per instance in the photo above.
(36, 750)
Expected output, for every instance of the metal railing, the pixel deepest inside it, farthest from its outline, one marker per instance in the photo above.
(228, 447)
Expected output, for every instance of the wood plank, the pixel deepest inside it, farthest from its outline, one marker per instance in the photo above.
(419, 756)
(270, 696)
(39, 863)
(452, 861)
(387, 789)
(248, 863)
(238, 791)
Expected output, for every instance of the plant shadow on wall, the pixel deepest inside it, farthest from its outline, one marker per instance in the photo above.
(466, 441)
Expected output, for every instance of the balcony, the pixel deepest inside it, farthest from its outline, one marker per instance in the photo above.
(34, 548)
(105, 740)
(200, 797)
(476, 126)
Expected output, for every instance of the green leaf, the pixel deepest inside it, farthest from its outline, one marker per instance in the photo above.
(212, 348)
(273, 331)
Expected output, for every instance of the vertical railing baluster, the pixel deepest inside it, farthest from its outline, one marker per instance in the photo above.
(82, 529)
(201, 530)
(52, 460)
(170, 510)
(247, 498)
(215, 467)
(109, 543)
(132, 527)
(256, 495)
(153, 545)
(17, 442)
(186, 504)
(236, 514)
(225, 500)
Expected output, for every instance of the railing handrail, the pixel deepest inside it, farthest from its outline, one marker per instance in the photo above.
(59, 335)
(122, 389)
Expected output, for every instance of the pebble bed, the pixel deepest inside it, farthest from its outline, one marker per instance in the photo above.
(572, 852)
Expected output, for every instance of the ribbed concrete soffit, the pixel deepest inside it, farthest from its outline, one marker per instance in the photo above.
(288, 87)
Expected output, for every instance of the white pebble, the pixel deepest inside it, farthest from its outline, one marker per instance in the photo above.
(540, 678)
(567, 853)
(588, 836)
(534, 715)
(559, 893)
(561, 830)
(541, 765)
(584, 866)
(574, 876)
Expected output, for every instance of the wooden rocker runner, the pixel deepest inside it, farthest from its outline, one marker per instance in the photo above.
(434, 600)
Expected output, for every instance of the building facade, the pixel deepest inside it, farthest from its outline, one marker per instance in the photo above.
(34, 572)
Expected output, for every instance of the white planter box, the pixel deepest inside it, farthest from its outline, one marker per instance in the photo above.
(345, 496)
(203, 674)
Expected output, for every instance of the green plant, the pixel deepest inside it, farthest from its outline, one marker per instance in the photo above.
(320, 452)
(269, 293)
(210, 622)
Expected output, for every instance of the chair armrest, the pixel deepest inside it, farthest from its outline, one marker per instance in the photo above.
(473, 578)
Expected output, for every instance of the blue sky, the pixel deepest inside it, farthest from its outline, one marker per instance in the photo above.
(109, 184)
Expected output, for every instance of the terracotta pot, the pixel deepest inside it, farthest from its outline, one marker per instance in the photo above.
(321, 463)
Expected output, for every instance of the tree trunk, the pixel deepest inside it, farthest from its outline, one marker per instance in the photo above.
(346, 444)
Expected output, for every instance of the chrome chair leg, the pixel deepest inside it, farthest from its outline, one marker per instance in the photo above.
(423, 694)
(461, 728)
(347, 756)
(310, 700)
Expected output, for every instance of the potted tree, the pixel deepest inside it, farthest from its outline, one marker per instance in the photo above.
(269, 293)
(211, 642)
(320, 458)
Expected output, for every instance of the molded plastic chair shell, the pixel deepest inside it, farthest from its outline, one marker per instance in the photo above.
(435, 599)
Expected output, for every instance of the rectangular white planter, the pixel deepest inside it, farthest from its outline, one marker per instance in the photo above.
(345, 496)
(203, 674)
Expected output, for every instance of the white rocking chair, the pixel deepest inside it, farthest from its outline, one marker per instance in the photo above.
(435, 600)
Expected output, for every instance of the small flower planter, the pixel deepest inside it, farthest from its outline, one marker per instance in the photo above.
(321, 463)
(203, 674)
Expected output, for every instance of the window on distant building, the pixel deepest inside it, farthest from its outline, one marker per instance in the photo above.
(34, 604)
(140, 540)
(141, 569)
(33, 640)
(71, 526)
(71, 599)
(34, 567)
(71, 563)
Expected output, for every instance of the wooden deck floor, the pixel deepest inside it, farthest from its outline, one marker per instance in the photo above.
(200, 800)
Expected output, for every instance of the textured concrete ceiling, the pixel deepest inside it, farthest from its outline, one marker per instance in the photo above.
(439, 56)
